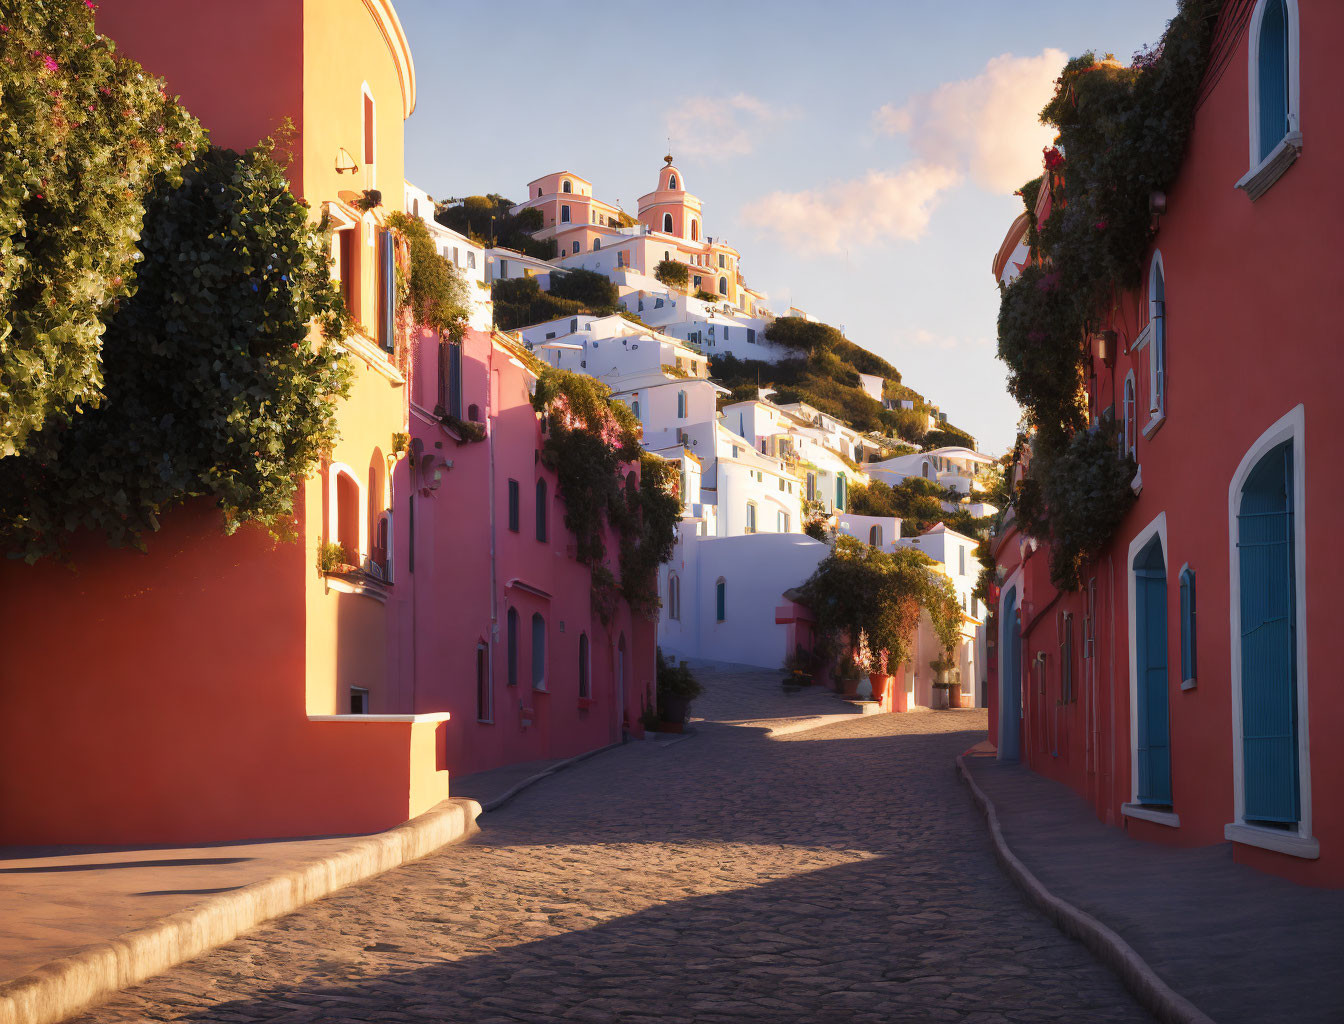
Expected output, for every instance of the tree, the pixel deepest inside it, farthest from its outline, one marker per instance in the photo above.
(85, 134)
(803, 334)
(597, 292)
(520, 302)
(947, 436)
(487, 220)
(672, 273)
(215, 386)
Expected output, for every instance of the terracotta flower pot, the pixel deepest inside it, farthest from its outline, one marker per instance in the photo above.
(955, 698)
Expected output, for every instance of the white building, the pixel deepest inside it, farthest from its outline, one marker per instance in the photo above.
(960, 469)
(466, 255)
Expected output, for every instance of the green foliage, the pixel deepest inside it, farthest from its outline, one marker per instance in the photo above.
(591, 441)
(1078, 497)
(816, 521)
(592, 290)
(822, 380)
(672, 273)
(214, 386)
(861, 589)
(947, 436)
(472, 217)
(676, 680)
(918, 503)
(85, 133)
(437, 294)
(705, 296)
(864, 361)
(330, 554)
(1122, 132)
(803, 334)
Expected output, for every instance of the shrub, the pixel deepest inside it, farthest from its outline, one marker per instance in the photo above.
(520, 302)
(437, 293)
(86, 134)
(472, 217)
(803, 334)
(675, 680)
(672, 273)
(595, 291)
(215, 386)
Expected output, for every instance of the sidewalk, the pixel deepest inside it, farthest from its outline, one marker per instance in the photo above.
(1242, 946)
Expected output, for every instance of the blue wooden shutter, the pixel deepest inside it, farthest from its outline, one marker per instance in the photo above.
(1272, 76)
(719, 597)
(1268, 640)
(1154, 730)
(387, 291)
(455, 380)
(1188, 650)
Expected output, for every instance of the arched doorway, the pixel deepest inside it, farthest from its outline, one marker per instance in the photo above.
(1010, 679)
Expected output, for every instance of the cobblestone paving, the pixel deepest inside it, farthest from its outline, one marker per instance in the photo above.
(836, 875)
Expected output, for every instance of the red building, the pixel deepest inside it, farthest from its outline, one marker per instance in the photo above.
(1188, 689)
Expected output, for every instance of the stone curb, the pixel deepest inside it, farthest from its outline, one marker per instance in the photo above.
(65, 986)
(499, 801)
(1152, 992)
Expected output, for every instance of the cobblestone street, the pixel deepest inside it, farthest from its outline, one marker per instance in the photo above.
(835, 875)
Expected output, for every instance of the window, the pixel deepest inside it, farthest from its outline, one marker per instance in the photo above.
(751, 517)
(721, 263)
(564, 214)
(346, 505)
(674, 597)
(1157, 356)
(387, 290)
(924, 470)
(377, 517)
(634, 408)
(962, 552)
(450, 378)
(471, 259)
(597, 244)
(751, 336)
(513, 646)
(573, 324)
(348, 242)
(484, 702)
(585, 689)
(370, 139)
(681, 405)
(576, 248)
(672, 182)
(697, 280)
(875, 536)
(1188, 650)
(975, 607)
(513, 505)
(538, 191)
(1128, 427)
(359, 700)
(840, 492)
(541, 510)
(538, 652)
(667, 226)
(566, 186)
(1273, 76)
(1066, 694)
(657, 303)
(695, 230)
(782, 522)
(720, 600)
(1153, 733)
(811, 486)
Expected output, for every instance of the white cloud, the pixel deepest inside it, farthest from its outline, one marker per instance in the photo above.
(851, 214)
(987, 125)
(718, 126)
(922, 338)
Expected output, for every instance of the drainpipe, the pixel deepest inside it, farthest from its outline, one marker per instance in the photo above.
(494, 569)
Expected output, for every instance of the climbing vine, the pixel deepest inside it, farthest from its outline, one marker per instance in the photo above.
(85, 133)
(591, 444)
(1122, 135)
(214, 385)
(436, 293)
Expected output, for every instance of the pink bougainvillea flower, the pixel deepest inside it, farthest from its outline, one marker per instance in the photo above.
(1100, 225)
(49, 62)
(1054, 159)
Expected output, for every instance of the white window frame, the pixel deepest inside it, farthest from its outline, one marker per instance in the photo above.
(1156, 344)
(1129, 399)
(1263, 173)
(1301, 842)
(1134, 809)
(364, 690)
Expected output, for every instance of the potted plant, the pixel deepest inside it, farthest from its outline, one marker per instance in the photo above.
(677, 687)
(943, 669)
(797, 671)
(847, 674)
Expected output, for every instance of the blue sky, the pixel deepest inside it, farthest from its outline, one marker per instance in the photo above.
(861, 156)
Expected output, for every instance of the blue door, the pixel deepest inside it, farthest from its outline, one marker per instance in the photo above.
(1010, 685)
(1154, 727)
(1268, 641)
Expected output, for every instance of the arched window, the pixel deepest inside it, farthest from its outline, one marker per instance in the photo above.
(377, 515)
(720, 600)
(875, 536)
(674, 597)
(1129, 419)
(695, 230)
(1153, 741)
(564, 215)
(513, 646)
(924, 469)
(667, 226)
(1157, 357)
(672, 182)
(370, 138)
(681, 405)
(634, 408)
(597, 244)
(566, 186)
(538, 652)
(1273, 76)
(541, 510)
(347, 517)
(723, 286)
(585, 689)
(538, 191)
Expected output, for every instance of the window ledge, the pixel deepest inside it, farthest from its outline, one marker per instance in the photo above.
(1136, 485)
(1167, 818)
(1257, 180)
(1154, 424)
(437, 716)
(1306, 847)
(359, 583)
